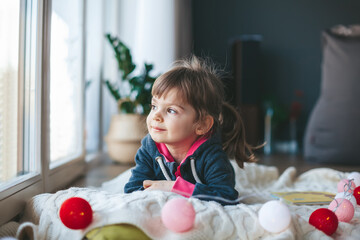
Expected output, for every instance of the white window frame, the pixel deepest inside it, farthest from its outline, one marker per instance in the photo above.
(14, 197)
(63, 174)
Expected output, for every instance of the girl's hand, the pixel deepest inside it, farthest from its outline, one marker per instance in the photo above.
(158, 185)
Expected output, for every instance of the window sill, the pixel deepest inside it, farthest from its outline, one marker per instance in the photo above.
(100, 170)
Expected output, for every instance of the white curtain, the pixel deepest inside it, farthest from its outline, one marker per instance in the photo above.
(156, 31)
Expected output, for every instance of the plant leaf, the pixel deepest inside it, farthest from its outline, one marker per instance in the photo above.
(114, 91)
(122, 55)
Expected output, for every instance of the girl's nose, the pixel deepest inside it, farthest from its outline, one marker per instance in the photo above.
(157, 116)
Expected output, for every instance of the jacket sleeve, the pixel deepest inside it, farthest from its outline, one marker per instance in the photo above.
(183, 187)
(219, 180)
(143, 170)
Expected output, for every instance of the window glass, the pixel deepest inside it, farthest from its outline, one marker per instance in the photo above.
(9, 71)
(18, 39)
(40, 69)
(66, 85)
(94, 41)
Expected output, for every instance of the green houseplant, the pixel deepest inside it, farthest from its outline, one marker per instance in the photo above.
(133, 95)
(132, 92)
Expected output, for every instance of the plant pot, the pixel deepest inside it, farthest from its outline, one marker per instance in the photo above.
(124, 137)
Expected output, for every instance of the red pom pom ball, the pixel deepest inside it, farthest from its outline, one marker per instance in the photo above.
(324, 220)
(76, 213)
(357, 195)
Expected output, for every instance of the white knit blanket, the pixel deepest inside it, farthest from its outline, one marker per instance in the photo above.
(213, 221)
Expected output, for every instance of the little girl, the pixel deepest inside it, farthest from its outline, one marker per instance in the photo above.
(192, 135)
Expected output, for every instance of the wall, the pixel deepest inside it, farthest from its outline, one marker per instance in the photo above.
(291, 46)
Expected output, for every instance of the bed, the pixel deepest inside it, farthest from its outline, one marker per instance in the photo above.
(213, 221)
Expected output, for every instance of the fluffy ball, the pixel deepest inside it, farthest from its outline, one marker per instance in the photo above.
(178, 215)
(324, 220)
(76, 213)
(356, 194)
(356, 177)
(347, 196)
(343, 186)
(274, 216)
(343, 208)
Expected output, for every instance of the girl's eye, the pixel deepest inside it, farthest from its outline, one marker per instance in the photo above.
(172, 111)
(153, 107)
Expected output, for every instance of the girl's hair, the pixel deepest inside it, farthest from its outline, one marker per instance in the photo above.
(200, 85)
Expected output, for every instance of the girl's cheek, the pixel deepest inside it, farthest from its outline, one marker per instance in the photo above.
(148, 119)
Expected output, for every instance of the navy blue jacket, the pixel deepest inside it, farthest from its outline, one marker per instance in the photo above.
(212, 167)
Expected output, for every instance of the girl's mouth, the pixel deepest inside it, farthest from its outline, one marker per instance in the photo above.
(157, 129)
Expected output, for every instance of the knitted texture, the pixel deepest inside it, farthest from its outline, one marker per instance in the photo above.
(213, 221)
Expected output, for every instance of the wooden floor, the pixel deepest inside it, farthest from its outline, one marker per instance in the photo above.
(98, 174)
(109, 169)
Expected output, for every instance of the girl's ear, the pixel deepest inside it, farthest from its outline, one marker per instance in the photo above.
(205, 125)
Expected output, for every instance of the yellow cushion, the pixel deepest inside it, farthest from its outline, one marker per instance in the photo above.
(117, 232)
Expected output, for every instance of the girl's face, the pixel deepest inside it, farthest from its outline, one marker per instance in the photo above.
(171, 120)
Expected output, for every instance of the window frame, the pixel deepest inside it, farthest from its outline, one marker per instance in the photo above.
(60, 175)
(13, 197)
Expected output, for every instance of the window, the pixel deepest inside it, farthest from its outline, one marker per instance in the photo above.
(42, 145)
(66, 81)
(9, 71)
(17, 92)
(93, 61)
(19, 166)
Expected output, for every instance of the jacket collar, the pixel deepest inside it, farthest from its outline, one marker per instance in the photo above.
(165, 151)
(150, 145)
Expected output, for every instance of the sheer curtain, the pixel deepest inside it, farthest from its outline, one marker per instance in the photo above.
(156, 31)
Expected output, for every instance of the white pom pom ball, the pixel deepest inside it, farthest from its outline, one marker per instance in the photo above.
(349, 197)
(356, 177)
(274, 216)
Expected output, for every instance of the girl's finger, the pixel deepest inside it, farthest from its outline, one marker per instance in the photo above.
(147, 183)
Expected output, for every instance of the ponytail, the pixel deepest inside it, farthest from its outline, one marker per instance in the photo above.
(233, 136)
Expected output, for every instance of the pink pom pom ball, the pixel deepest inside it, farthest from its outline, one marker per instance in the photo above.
(343, 186)
(178, 215)
(343, 208)
(274, 216)
(356, 177)
(347, 196)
